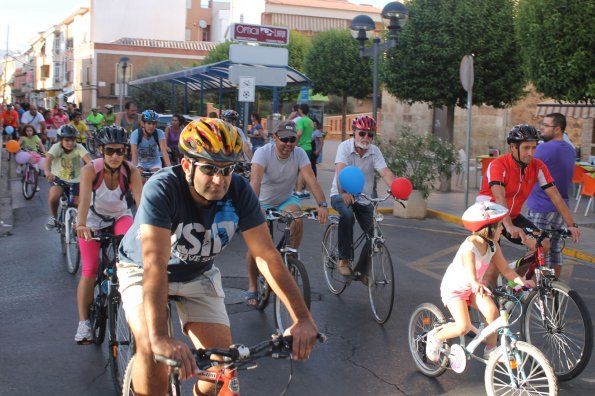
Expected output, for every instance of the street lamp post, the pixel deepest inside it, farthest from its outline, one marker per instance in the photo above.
(396, 14)
(124, 65)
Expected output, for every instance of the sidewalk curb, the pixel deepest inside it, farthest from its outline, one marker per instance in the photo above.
(456, 220)
(6, 213)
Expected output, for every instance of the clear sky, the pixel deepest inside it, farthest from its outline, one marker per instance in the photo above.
(27, 17)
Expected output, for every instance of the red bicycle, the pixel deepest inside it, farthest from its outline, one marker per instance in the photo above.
(555, 318)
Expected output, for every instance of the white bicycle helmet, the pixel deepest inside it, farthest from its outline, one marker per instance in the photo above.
(482, 214)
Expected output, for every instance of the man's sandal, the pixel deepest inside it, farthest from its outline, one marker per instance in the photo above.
(251, 298)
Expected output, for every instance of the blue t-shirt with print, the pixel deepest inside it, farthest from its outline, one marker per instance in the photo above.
(198, 234)
(148, 150)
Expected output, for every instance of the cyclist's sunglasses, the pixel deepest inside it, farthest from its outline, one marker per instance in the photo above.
(364, 133)
(291, 139)
(109, 151)
(212, 170)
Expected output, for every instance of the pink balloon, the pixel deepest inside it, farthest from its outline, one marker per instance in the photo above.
(22, 157)
(34, 157)
(41, 163)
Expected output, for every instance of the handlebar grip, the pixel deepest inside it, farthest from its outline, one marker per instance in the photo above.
(167, 361)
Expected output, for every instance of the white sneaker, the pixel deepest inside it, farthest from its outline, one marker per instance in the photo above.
(19, 170)
(51, 224)
(84, 334)
(433, 346)
(488, 352)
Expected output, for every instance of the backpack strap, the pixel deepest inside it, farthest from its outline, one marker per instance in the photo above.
(125, 178)
(98, 165)
(141, 134)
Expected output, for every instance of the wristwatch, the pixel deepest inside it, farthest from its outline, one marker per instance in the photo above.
(322, 204)
(574, 225)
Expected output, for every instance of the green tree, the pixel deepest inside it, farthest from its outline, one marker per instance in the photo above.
(218, 54)
(157, 96)
(557, 42)
(424, 67)
(335, 67)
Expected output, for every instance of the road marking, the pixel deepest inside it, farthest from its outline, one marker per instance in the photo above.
(425, 265)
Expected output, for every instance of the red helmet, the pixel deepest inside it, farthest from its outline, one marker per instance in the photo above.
(365, 123)
(482, 214)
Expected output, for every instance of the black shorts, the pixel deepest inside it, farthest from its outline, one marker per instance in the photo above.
(523, 223)
(74, 186)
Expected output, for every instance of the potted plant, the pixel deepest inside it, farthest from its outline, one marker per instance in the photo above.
(424, 160)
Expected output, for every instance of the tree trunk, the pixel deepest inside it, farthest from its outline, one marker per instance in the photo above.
(344, 119)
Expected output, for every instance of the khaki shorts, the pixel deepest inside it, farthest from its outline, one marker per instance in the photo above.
(203, 300)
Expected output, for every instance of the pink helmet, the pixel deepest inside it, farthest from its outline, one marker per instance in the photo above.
(482, 214)
(365, 123)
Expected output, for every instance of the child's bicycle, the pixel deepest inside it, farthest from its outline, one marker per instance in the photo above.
(66, 227)
(555, 318)
(515, 367)
(30, 175)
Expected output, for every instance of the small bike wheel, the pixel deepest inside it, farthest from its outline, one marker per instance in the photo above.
(264, 292)
(381, 287)
(298, 271)
(425, 318)
(30, 181)
(565, 335)
(120, 341)
(528, 372)
(127, 381)
(330, 260)
(73, 253)
(61, 229)
(98, 312)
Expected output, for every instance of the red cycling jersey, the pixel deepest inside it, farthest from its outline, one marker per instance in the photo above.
(517, 185)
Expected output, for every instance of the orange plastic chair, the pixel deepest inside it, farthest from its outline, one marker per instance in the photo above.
(577, 179)
(588, 190)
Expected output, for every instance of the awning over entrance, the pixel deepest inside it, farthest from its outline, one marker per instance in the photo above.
(214, 77)
(568, 109)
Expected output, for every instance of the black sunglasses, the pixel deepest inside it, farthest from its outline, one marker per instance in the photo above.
(364, 133)
(109, 151)
(291, 139)
(212, 170)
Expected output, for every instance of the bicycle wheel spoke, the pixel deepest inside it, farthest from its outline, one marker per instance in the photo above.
(330, 254)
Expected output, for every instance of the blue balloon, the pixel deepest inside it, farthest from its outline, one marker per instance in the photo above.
(352, 180)
(9, 129)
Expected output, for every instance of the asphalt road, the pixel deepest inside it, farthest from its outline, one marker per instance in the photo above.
(38, 318)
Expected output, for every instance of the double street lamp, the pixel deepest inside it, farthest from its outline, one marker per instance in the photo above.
(396, 15)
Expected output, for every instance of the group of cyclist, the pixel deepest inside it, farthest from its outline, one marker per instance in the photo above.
(188, 213)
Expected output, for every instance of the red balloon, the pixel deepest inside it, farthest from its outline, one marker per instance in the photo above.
(401, 188)
(13, 146)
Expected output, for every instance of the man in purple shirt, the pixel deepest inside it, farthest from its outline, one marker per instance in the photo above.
(558, 155)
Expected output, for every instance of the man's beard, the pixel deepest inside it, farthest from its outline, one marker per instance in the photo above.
(362, 145)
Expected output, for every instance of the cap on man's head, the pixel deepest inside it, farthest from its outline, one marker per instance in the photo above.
(108, 106)
(286, 129)
(93, 108)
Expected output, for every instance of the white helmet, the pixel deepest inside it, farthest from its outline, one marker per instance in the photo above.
(482, 214)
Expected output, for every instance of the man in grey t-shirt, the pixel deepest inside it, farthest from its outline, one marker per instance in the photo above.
(275, 169)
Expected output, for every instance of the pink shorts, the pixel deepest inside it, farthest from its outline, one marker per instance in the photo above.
(90, 249)
(454, 295)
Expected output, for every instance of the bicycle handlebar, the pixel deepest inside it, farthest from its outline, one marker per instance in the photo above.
(277, 347)
(273, 214)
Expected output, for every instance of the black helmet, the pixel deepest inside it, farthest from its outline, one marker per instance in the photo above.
(230, 116)
(112, 135)
(522, 133)
(67, 131)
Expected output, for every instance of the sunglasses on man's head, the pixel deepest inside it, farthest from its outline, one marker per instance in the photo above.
(364, 133)
(290, 139)
(109, 151)
(212, 170)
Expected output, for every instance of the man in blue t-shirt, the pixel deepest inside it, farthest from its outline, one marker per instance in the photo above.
(187, 216)
(147, 144)
(558, 156)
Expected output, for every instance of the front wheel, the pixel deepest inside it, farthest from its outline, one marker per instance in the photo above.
(424, 319)
(30, 180)
(120, 341)
(300, 275)
(264, 292)
(98, 311)
(61, 229)
(381, 287)
(564, 334)
(73, 254)
(127, 381)
(524, 370)
(330, 260)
